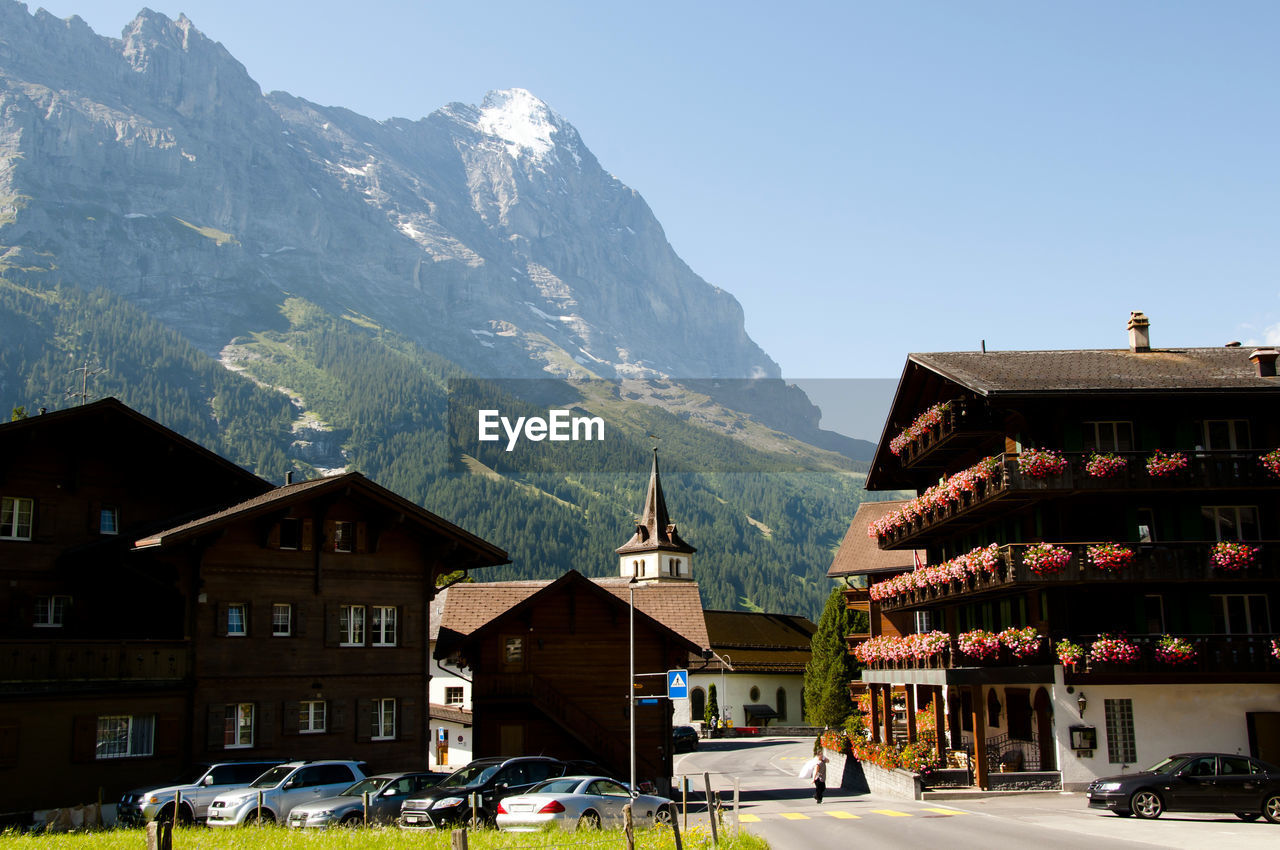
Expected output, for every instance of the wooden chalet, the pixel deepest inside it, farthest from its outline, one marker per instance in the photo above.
(165, 607)
(1122, 505)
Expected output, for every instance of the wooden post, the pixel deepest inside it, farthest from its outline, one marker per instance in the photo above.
(177, 806)
(458, 839)
(153, 836)
(628, 827)
(474, 806)
(675, 827)
(711, 814)
(888, 712)
(940, 724)
(364, 799)
(259, 808)
(736, 801)
(875, 714)
(979, 709)
(684, 795)
(911, 714)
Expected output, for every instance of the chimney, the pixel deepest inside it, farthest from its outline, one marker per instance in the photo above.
(288, 478)
(1265, 360)
(1139, 335)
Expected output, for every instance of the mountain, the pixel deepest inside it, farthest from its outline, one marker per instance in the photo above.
(152, 196)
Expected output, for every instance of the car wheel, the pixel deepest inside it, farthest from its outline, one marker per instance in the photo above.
(664, 816)
(353, 819)
(1146, 804)
(1271, 808)
(1248, 817)
(267, 816)
(589, 820)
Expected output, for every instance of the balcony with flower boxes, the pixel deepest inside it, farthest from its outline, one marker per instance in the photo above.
(994, 569)
(28, 664)
(1003, 482)
(943, 433)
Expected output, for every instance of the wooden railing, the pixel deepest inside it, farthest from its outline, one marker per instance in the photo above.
(1157, 562)
(1205, 470)
(957, 420)
(67, 661)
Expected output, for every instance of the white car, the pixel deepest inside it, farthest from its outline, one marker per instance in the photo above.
(580, 802)
(282, 788)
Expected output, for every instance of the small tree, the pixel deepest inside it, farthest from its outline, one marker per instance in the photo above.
(711, 710)
(830, 667)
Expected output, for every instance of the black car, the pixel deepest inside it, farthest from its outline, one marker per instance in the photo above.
(684, 739)
(449, 802)
(1193, 782)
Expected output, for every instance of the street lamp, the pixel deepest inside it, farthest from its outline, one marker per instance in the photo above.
(724, 695)
(631, 680)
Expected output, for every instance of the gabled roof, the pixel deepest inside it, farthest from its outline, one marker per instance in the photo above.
(655, 531)
(757, 642)
(859, 555)
(471, 606)
(482, 552)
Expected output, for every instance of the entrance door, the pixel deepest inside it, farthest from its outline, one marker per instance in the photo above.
(1264, 735)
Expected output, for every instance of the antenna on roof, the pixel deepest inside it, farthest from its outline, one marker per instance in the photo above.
(984, 346)
(85, 374)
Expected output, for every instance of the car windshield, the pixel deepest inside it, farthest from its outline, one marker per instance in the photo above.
(1165, 764)
(272, 777)
(470, 775)
(555, 786)
(372, 785)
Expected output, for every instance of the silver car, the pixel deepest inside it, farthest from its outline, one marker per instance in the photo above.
(282, 788)
(580, 802)
(386, 792)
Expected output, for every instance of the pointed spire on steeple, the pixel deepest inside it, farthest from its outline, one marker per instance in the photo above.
(654, 530)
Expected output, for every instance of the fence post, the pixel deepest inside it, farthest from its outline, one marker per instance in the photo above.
(736, 799)
(153, 836)
(474, 801)
(364, 798)
(628, 827)
(711, 813)
(177, 806)
(684, 796)
(259, 808)
(458, 840)
(675, 829)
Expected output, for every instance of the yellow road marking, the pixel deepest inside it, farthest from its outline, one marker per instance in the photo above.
(947, 811)
(748, 819)
(794, 816)
(891, 813)
(843, 815)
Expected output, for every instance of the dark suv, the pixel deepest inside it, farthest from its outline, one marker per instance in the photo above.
(494, 779)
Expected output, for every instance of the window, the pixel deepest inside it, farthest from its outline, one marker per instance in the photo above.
(351, 625)
(513, 650)
(384, 625)
(51, 611)
(754, 694)
(1121, 746)
(1153, 609)
(1226, 434)
(781, 699)
(1108, 436)
(15, 518)
(281, 619)
(1240, 613)
(453, 696)
(125, 736)
(1230, 522)
(109, 521)
(238, 731)
(344, 537)
(290, 534)
(311, 716)
(697, 703)
(384, 719)
(1146, 525)
(237, 619)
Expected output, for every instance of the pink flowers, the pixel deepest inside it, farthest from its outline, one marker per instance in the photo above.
(1175, 650)
(1271, 460)
(1226, 555)
(1069, 654)
(1110, 556)
(919, 427)
(984, 559)
(1116, 650)
(938, 496)
(1162, 463)
(1275, 648)
(1104, 465)
(1021, 643)
(1046, 559)
(1041, 463)
(979, 644)
(917, 647)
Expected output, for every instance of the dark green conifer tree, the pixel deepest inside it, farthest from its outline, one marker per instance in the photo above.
(827, 675)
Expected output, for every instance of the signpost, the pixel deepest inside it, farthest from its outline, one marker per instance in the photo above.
(677, 684)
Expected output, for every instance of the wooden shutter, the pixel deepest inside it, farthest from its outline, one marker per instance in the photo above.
(291, 722)
(337, 719)
(330, 532)
(273, 536)
(94, 519)
(299, 621)
(84, 737)
(308, 535)
(332, 636)
(220, 619)
(215, 733)
(168, 735)
(407, 722)
(362, 537)
(264, 721)
(364, 720)
(408, 627)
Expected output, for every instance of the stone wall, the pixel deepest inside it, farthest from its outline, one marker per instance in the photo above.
(862, 777)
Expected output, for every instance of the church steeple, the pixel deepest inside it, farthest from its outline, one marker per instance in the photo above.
(656, 552)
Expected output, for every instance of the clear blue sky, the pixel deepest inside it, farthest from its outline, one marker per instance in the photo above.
(868, 178)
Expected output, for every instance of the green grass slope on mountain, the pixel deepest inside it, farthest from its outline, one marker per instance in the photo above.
(765, 513)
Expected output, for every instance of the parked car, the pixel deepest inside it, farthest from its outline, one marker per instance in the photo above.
(283, 787)
(1193, 782)
(387, 791)
(198, 786)
(449, 802)
(580, 802)
(684, 739)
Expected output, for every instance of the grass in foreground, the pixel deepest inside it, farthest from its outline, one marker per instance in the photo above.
(374, 838)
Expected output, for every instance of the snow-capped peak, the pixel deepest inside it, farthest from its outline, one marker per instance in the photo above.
(521, 120)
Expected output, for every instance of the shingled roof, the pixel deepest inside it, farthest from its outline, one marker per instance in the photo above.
(758, 642)
(859, 555)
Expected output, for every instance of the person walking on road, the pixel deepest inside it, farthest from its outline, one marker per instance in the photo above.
(820, 778)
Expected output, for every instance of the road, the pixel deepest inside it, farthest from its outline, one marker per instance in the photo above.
(779, 807)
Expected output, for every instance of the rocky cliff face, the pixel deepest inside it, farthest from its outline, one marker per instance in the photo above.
(153, 165)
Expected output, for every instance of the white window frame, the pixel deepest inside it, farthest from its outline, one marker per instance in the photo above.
(1110, 428)
(243, 608)
(1220, 601)
(455, 695)
(281, 619)
(1232, 514)
(237, 730)
(312, 716)
(17, 517)
(382, 625)
(1234, 428)
(384, 719)
(51, 611)
(351, 625)
(125, 736)
(109, 520)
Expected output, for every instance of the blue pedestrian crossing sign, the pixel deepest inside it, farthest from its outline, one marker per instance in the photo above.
(677, 684)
